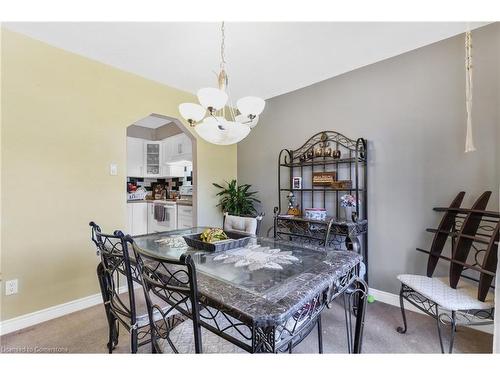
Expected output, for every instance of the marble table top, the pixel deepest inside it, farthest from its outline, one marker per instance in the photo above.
(265, 282)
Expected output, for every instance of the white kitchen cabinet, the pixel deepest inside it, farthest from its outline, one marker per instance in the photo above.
(166, 151)
(130, 215)
(152, 159)
(182, 147)
(184, 216)
(177, 148)
(158, 159)
(173, 170)
(135, 157)
(137, 220)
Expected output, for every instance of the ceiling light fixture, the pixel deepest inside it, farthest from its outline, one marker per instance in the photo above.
(209, 117)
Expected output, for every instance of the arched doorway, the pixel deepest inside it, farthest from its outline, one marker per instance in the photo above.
(161, 175)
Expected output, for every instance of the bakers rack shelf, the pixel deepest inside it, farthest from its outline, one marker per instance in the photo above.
(326, 151)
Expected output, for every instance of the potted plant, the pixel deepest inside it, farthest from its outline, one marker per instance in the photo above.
(237, 199)
(348, 202)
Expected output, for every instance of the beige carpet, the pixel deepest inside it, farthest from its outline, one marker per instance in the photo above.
(86, 332)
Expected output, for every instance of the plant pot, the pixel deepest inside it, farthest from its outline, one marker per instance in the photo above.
(348, 213)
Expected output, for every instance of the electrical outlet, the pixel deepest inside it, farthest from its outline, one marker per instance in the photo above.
(113, 169)
(10, 287)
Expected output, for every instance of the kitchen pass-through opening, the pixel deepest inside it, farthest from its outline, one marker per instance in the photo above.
(161, 176)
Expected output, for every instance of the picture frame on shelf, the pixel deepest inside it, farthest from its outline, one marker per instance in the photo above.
(296, 182)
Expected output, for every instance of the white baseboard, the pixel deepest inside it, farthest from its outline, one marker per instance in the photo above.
(40, 316)
(28, 320)
(393, 299)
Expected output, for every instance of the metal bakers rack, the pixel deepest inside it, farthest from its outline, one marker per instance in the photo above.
(332, 152)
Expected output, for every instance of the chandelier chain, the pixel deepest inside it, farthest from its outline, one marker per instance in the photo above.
(215, 127)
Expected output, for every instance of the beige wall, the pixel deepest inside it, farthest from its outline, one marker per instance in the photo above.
(64, 120)
(411, 108)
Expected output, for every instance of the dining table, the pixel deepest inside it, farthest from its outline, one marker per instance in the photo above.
(269, 294)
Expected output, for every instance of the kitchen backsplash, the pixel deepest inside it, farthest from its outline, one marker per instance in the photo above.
(173, 184)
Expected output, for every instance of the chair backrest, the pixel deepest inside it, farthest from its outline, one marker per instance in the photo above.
(172, 281)
(474, 235)
(242, 224)
(116, 265)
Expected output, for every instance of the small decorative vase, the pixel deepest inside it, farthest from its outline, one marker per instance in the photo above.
(348, 213)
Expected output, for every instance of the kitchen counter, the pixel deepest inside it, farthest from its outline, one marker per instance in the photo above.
(182, 202)
(144, 200)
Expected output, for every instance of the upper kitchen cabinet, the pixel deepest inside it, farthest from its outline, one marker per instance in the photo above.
(135, 157)
(177, 148)
(152, 158)
(158, 159)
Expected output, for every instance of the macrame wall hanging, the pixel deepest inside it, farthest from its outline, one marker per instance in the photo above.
(469, 141)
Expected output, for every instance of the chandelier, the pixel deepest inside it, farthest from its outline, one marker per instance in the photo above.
(214, 118)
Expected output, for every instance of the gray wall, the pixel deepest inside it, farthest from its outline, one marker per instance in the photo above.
(411, 108)
(157, 134)
(136, 131)
(166, 131)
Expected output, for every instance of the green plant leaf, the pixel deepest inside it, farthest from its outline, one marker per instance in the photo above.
(236, 200)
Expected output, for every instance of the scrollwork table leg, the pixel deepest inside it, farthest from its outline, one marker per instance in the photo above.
(362, 292)
(263, 340)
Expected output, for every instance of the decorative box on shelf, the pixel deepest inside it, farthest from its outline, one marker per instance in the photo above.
(324, 178)
(315, 213)
(341, 184)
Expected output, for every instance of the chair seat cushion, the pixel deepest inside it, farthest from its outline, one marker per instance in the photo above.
(437, 289)
(182, 336)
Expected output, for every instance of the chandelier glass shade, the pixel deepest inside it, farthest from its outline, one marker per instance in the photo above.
(250, 106)
(245, 120)
(192, 111)
(214, 118)
(212, 99)
(222, 132)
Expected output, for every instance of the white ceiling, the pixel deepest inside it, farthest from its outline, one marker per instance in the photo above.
(264, 59)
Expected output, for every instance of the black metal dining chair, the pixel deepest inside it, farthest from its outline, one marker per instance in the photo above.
(117, 266)
(178, 329)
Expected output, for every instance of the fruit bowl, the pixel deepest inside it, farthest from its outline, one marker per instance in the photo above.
(234, 241)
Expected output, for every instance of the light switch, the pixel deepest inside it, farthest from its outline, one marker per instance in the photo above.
(113, 169)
